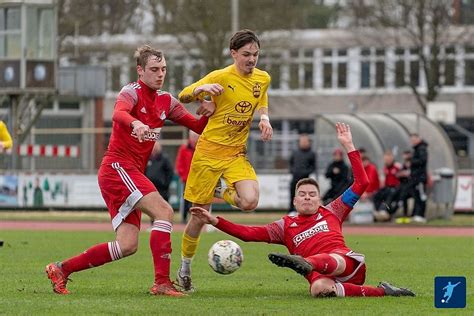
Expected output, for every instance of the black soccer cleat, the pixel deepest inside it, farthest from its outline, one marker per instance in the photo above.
(297, 263)
(391, 290)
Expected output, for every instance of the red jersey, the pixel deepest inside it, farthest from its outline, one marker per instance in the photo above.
(183, 161)
(137, 101)
(373, 175)
(313, 234)
(390, 172)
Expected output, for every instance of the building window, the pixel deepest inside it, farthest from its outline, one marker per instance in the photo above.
(469, 73)
(115, 78)
(380, 74)
(372, 68)
(10, 32)
(308, 76)
(469, 66)
(327, 75)
(415, 73)
(449, 66)
(294, 76)
(178, 77)
(342, 75)
(365, 74)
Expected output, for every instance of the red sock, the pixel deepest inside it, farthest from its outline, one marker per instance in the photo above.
(349, 289)
(160, 244)
(322, 263)
(92, 257)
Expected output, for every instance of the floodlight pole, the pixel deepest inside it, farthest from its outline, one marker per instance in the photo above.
(235, 15)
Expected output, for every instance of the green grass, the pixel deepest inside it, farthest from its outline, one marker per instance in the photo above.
(257, 217)
(258, 288)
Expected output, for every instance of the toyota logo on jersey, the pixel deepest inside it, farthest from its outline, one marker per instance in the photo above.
(316, 229)
(152, 135)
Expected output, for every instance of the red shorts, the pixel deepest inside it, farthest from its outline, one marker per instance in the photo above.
(354, 273)
(122, 187)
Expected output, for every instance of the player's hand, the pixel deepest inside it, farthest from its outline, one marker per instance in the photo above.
(266, 130)
(140, 130)
(210, 88)
(207, 108)
(344, 136)
(203, 215)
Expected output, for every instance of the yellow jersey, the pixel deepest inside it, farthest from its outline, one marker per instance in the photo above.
(5, 137)
(230, 123)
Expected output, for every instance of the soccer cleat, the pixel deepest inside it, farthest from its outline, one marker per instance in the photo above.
(185, 282)
(297, 263)
(391, 290)
(58, 280)
(166, 288)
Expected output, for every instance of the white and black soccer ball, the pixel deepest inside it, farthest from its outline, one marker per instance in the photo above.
(225, 257)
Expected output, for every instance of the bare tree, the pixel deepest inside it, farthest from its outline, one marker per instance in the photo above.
(89, 17)
(204, 26)
(425, 24)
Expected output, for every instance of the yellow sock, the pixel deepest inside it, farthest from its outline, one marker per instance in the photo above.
(229, 196)
(188, 246)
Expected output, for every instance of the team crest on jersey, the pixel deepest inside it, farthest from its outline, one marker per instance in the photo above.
(316, 229)
(243, 107)
(152, 135)
(163, 116)
(256, 90)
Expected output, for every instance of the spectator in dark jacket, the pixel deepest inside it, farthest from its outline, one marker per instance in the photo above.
(302, 164)
(160, 171)
(338, 173)
(419, 177)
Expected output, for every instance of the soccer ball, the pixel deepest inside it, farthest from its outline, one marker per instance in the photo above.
(225, 257)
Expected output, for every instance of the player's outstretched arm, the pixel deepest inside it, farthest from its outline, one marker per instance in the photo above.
(243, 232)
(342, 206)
(344, 136)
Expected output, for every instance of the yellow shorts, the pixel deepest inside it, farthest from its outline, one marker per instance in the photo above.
(206, 171)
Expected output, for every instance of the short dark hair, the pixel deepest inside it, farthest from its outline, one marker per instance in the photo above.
(142, 54)
(242, 38)
(306, 181)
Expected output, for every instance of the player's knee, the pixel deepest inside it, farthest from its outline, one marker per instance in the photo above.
(323, 288)
(248, 204)
(129, 248)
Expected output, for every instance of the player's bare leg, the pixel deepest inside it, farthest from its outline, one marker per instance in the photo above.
(125, 244)
(189, 246)
(160, 241)
(242, 194)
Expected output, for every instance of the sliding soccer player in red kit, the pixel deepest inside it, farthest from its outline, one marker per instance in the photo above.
(314, 236)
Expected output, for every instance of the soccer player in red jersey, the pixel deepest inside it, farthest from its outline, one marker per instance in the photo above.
(140, 112)
(314, 236)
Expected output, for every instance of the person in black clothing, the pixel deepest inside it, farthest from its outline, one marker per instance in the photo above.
(160, 171)
(338, 173)
(404, 192)
(302, 164)
(419, 176)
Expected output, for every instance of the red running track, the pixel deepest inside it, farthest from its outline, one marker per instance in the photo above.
(348, 230)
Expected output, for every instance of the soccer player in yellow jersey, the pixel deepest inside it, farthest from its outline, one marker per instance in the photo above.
(237, 91)
(5, 138)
